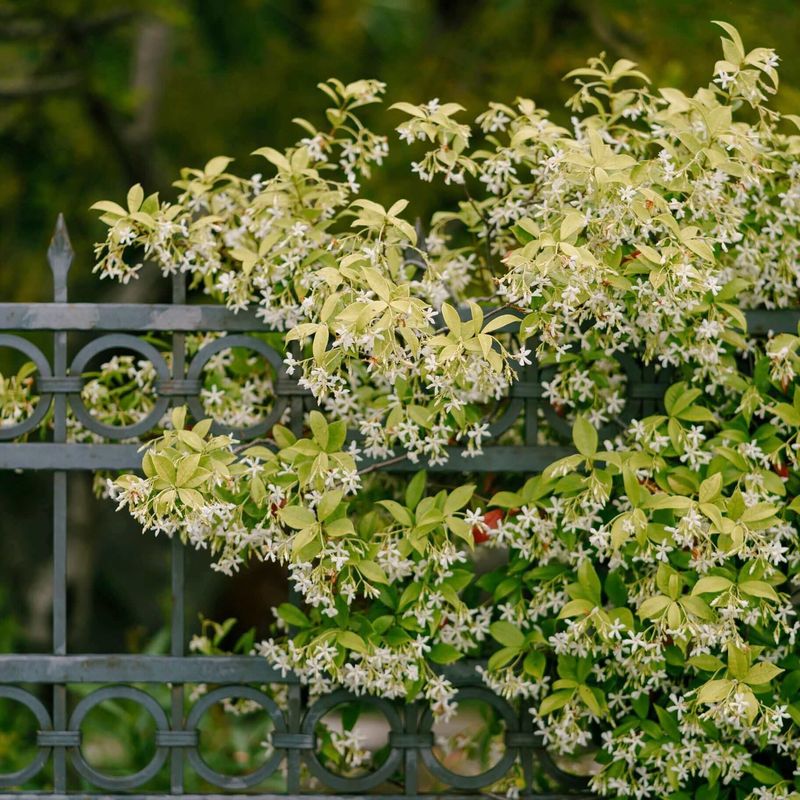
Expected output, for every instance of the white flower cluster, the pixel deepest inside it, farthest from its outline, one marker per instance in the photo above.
(637, 594)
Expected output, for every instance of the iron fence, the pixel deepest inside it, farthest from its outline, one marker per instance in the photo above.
(40, 682)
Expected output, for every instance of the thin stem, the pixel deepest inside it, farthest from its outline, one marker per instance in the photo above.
(381, 464)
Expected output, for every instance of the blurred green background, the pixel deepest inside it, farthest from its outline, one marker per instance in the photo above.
(98, 94)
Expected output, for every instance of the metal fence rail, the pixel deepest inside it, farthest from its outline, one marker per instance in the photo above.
(122, 677)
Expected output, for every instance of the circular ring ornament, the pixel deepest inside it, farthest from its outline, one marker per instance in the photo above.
(511, 413)
(114, 342)
(34, 705)
(147, 772)
(43, 366)
(219, 778)
(633, 376)
(492, 774)
(250, 343)
(515, 408)
(362, 783)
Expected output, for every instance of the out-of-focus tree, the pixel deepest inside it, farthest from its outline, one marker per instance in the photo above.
(98, 94)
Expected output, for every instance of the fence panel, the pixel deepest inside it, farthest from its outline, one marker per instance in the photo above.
(41, 682)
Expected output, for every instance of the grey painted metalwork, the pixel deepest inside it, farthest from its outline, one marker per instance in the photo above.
(46, 678)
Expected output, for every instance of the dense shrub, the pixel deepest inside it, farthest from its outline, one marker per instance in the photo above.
(643, 601)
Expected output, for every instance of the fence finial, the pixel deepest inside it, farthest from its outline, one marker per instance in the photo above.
(59, 256)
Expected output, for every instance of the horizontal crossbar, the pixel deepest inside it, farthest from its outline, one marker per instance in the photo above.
(164, 317)
(52, 456)
(137, 669)
(166, 669)
(125, 317)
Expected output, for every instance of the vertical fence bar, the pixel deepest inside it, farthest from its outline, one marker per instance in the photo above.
(531, 376)
(293, 755)
(59, 615)
(526, 752)
(59, 256)
(411, 755)
(177, 561)
(295, 690)
(176, 649)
